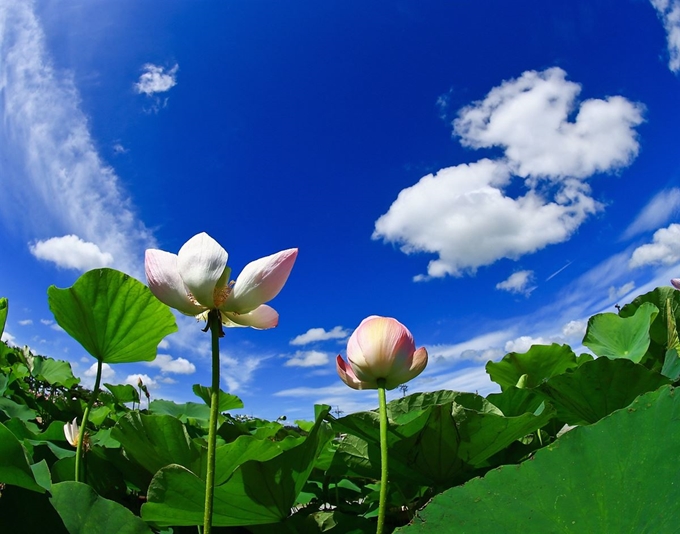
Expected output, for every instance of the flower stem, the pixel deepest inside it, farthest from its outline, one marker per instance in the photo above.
(215, 325)
(383, 455)
(83, 424)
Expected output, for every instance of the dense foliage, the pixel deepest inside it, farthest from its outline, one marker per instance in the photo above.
(459, 462)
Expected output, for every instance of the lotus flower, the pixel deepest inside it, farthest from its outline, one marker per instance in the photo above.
(381, 347)
(675, 282)
(196, 280)
(71, 431)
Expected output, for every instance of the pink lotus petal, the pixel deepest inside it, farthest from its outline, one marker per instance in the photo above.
(165, 282)
(675, 282)
(261, 318)
(386, 346)
(201, 262)
(260, 281)
(348, 377)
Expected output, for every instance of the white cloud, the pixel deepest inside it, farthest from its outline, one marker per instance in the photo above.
(518, 282)
(319, 334)
(155, 79)
(669, 13)
(656, 213)
(133, 380)
(529, 118)
(308, 358)
(478, 349)
(168, 364)
(88, 378)
(51, 167)
(664, 249)
(71, 252)
(26, 322)
(524, 343)
(239, 372)
(621, 291)
(574, 329)
(8, 338)
(47, 322)
(463, 213)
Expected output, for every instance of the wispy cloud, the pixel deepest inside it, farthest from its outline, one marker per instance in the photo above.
(657, 212)
(669, 13)
(319, 334)
(464, 215)
(51, 167)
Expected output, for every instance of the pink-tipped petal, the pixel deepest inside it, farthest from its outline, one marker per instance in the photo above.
(201, 262)
(675, 282)
(404, 374)
(260, 281)
(261, 318)
(386, 346)
(347, 375)
(165, 282)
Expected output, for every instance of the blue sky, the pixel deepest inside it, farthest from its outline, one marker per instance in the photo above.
(489, 173)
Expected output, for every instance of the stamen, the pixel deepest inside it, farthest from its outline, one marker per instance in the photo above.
(221, 294)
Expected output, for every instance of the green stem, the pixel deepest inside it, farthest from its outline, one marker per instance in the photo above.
(83, 424)
(215, 325)
(383, 455)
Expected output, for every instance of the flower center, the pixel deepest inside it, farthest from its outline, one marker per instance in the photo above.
(221, 294)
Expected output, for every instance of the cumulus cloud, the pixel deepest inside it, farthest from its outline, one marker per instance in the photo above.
(168, 364)
(663, 250)
(308, 358)
(26, 322)
(51, 167)
(529, 118)
(574, 329)
(464, 213)
(133, 380)
(88, 378)
(155, 79)
(669, 13)
(656, 213)
(319, 334)
(8, 338)
(519, 282)
(71, 252)
(524, 343)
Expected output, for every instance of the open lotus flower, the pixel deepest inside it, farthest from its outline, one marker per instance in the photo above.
(381, 347)
(71, 431)
(196, 280)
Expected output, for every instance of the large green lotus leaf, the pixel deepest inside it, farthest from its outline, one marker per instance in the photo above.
(539, 363)
(113, 316)
(613, 336)
(513, 401)
(618, 475)
(123, 393)
(599, 387)
(14, 468)
(15, 410)
(186, 411)
(227, 400)
(671, 365)
(316, 523)
(245, 448)
(26, 512)
(256, 493)
(54, 372)
(438, 445)
(155, 441)
(665, 299)
(85, 512)
(3, 314)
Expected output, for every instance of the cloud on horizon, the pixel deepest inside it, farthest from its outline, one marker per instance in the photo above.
(463, 213)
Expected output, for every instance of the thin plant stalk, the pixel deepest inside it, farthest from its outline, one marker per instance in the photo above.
(83, 425)
(383, 456)
(215, 326)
